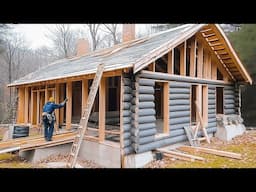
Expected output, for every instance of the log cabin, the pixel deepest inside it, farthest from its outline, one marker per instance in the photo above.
(147, 92)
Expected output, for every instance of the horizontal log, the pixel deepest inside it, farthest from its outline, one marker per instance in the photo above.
(211, 120)
(126, 113)
(127, 89)
(212, 106)
(146, 105)
(229, 101)
(229, 97)
(211, 111)
(127, 127)
(146, 112)
(146, 82)
(142, 140)
(127, 97)
(146, 119)
(229, 106)
(179, 114)
(178, 126)
(178, 96)
(127, 135)
(165, 76)
(229, 92)
(179, 120)
(179, 90)
(127, 120)
(212, 102)
(212, 124)
(179, 108)
(177, 132)
(146, 90)
(147, 126)
(229, 111)
(143, 133)
(211, 96)
(127, 142)
(126, 105)
(211, 116)
(179, 102)
(146, 97)
(179, 85)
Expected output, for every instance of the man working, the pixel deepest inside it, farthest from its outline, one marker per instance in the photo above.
(49, 117)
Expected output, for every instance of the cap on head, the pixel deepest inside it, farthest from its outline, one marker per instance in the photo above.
(51, 99)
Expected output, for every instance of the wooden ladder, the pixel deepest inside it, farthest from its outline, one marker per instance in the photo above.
(85, 117)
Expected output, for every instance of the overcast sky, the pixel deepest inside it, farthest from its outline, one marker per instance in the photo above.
(34, 33)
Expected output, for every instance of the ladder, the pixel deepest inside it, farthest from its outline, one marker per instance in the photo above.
(84, 119)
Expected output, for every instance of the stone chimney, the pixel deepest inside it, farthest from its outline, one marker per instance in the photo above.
(82, 47)
(128, 32)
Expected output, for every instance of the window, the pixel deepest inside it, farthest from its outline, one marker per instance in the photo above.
(161, 64)
(162, 106)
(219, 100)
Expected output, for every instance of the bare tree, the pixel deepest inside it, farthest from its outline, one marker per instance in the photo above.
(63, 38)
(94, 33)
(112, 30)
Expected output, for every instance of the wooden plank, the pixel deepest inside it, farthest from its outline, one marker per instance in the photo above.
(171, 62)
(46, 94)
(166, 107)
(57, 112)
(121, 121)
(214, 71)
(209, 63)
(26, 105)
(205, 64)
(181, 154)
(61, 110)
(200, 60)
(102, 109)
(193, 58)
(69, 105)
(211, 151)
(183, 59)
(178, 157)
(21, 102)
(38, 108)
(33, 108)
(84, 93)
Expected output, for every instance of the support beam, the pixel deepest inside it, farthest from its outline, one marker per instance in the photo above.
(26, 106)
(69, 105)
(200, 60)
(62, 94)
(166, 107)
(171, 62)
(183, 59)
(193, 58)
(33, 111)
(209, 62)
(102, 109)
(57, 112)
(38, 108)
(84, 93)
(21, 95)
(214, 71)
(46, 94)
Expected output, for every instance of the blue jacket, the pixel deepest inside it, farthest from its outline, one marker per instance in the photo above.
(49, 107)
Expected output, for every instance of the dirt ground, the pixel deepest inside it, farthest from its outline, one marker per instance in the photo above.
(244, 144)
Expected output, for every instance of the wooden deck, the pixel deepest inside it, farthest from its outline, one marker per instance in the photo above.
(29, 143)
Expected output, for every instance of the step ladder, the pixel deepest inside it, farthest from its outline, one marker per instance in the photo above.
(84, 119)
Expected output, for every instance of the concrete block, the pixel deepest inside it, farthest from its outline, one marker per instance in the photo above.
(104, 155)
(226, 133)
(138, 160)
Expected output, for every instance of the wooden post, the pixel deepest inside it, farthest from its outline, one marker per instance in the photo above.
(121, 122)
(21, 95)
(62, 94)
(200, 60)
(84, 94)
(33, 104)
(209, 72)
(193, 58)
(199, 100)
(171, 62)
(166, 107)
(38, 108)
(57, 112)
(102, 109)
(26, 105)
(183, 59)
(46, 94)
(214, 71)
(69, 105)
(205, 64)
